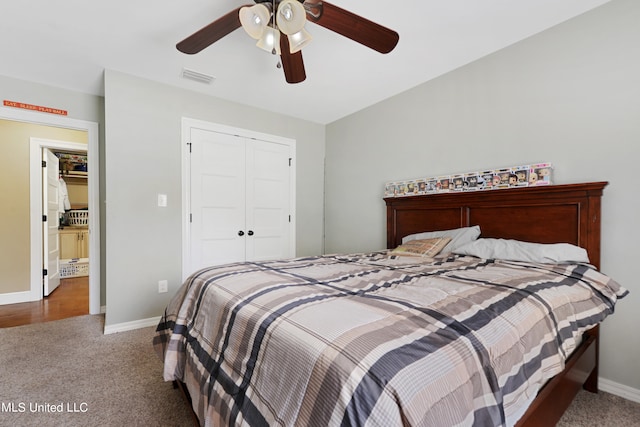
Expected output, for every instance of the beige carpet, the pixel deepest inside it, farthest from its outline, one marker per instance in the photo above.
(601, 409)
(116, 380)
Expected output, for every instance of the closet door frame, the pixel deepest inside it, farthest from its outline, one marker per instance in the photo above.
(190, 123)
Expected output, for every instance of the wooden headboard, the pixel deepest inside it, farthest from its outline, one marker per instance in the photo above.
(544, 214)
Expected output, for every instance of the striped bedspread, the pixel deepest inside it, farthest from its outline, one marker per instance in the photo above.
(368, 339)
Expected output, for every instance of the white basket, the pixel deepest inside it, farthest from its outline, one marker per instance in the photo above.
(78, 217)
(76, 267)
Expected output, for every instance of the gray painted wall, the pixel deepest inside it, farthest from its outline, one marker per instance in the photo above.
(78, 105)
(143, 158)
(570, 95)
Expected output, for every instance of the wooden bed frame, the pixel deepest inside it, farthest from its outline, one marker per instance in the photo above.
(543, 214)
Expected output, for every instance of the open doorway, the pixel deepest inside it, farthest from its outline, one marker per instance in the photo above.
(34, 236)
(66, 240)
(73, 228)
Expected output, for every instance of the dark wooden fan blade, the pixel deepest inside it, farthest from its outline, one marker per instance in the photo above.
(292, 63)
(210, 34)
(352, 26)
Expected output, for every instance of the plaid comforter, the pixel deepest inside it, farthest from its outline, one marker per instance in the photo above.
(376, 340)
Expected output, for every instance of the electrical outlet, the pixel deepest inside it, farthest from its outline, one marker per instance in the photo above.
(163, 286)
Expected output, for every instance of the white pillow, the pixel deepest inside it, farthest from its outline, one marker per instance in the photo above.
(515, 250)
(459, 237)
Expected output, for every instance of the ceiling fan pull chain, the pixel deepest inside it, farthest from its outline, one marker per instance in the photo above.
(273, 22)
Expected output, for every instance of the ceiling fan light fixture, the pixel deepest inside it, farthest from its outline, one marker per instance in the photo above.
(254, 19)
(267, 20)
(291, 16)
(270, 40)
(299, 40)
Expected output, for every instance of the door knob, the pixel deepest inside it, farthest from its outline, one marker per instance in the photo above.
(250, 232)
(240, 233)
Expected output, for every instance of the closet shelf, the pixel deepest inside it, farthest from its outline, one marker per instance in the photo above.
(75, 174)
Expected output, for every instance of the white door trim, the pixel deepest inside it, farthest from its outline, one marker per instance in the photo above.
(92, 148)
(187, 125)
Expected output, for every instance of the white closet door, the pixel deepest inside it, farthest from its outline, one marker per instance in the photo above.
(50, 233)
(240, 194)
(217, 199)
(267, 202)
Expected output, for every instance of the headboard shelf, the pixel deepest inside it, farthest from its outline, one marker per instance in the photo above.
(543, 214)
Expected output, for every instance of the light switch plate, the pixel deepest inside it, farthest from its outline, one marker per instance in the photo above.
(163, 286)
(162, 200)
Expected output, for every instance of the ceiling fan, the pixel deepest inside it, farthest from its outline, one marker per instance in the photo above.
(278, 25)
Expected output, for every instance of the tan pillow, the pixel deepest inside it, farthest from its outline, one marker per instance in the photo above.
(459, 236)
(421, 247)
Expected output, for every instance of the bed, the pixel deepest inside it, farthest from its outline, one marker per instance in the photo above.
(374, 339)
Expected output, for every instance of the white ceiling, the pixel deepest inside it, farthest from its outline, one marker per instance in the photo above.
(68, 44)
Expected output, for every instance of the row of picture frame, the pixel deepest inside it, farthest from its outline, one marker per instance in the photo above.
(515, 176)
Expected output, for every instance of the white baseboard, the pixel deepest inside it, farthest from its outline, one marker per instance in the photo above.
(15, 297)
(129, 326)
(618, 389)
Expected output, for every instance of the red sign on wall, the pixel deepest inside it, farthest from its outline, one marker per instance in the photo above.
(35, 107)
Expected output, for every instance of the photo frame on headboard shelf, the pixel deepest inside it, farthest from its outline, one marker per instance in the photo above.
(491, 179)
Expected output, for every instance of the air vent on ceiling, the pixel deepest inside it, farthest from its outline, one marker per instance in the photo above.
(197, 76)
